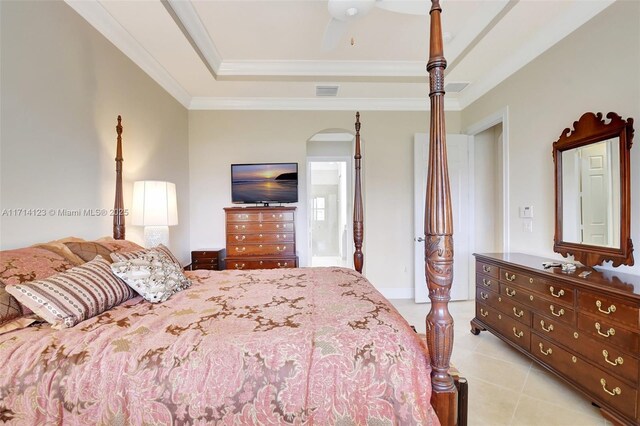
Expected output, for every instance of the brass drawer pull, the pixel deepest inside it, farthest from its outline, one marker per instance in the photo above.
(558, 294)
(281, 249)
(614, 392)
(241, 249)
(617, 361)
(517, 333)
(547, 352)
(240, 239)
(515, 312)
(509, 278)
(548, 329)
(486, 268)
(510, 292)
(483, 312)
(486, 283)
(243, 227)
(610, 331)
(283, 265)
(553, 311)
(483, 295)
(611, 309)
(239, 266)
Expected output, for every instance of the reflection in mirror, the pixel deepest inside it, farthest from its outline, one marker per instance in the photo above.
(591, 194)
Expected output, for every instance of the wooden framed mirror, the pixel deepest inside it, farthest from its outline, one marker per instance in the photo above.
(593, 194)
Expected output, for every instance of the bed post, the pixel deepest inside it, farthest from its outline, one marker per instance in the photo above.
(118, 205)
(438, 225)
(358, 225)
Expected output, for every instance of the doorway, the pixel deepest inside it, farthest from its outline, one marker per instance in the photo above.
(328, 211)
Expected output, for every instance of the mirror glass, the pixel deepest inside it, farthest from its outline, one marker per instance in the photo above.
(591, 194)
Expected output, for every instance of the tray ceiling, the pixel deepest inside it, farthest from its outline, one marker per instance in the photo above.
(264, 54)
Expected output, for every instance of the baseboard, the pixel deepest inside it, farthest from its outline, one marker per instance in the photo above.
(397, 293)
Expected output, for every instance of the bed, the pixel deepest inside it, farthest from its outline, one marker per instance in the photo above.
(295, 346)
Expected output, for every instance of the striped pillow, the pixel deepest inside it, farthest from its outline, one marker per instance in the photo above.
(65, 299)
(124, 256)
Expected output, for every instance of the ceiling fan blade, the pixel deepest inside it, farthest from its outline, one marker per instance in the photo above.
(334, 31)
(411, 7)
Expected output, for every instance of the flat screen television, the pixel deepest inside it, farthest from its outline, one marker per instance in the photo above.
(264, 183)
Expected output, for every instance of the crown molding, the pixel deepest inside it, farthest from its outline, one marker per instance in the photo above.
(186, 17)
(556, 30)
(318, 104)
(321, 69)
(96, 15)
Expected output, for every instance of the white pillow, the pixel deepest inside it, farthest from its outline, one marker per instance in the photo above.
(153, 275)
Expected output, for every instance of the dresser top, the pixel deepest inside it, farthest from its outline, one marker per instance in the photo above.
(618, 282)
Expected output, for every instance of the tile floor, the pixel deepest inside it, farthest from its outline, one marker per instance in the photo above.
(505, 387)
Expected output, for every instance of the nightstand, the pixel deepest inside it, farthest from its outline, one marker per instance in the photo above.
(208, 258)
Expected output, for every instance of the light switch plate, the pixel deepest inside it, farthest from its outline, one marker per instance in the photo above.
(526, 212)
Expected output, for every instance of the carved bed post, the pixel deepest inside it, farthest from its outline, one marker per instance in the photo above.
(438, 225)
(118, 205)
(358, 225)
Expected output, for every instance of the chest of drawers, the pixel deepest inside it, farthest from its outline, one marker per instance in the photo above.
(260, 237)
(585, 330)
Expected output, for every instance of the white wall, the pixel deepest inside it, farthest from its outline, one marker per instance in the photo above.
(63, 85)
(487, 184)
(597, 69)
(219, 138)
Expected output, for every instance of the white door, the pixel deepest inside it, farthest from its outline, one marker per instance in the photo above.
(458, 161)
(595, 201)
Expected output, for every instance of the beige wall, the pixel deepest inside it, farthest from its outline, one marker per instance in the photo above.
(63, 84)
(220, 138)
(596, 68)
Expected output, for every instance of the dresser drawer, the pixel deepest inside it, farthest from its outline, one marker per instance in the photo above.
(609, 309)
(234, 263)
(560, 292)
(284, 249)
(601, 385)
(243, 217)
(487, 297)
(487, 269)
(609, 332)
(557, 331)
(208, 266)
(197, 255)
(260, 227)
(486, 282)
(510, 276)
(506, 326)
(201, 263)
(277, 217)
(515, 310)
(259, 238)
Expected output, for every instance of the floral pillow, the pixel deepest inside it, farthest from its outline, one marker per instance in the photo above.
(88, 250)
(153, 275)
(65, 299)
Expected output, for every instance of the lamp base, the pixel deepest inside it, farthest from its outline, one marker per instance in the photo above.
(154, 235)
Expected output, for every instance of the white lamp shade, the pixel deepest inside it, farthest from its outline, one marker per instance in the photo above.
(154, 204)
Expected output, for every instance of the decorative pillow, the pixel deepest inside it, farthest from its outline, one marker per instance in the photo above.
(9, 307)
(28, 264)
(18, 323)
(80, 293)
(58, 247)
(121, 257)
(88, 250)
(153, 275)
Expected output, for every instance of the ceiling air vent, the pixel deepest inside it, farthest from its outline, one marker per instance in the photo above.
(455, 87)
(327, 90)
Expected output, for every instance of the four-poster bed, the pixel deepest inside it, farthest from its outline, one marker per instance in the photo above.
(281, 346)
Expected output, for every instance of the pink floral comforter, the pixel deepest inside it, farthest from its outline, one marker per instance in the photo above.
(311, 345)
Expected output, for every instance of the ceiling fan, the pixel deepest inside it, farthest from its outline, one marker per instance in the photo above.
(345, 11)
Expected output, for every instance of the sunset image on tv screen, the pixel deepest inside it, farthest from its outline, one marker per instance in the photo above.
(263, 183)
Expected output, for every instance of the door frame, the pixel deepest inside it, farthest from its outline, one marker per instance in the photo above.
(349, 204)
(499, 117)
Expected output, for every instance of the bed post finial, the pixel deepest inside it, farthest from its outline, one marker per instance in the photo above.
(439, 236)
(358, 222)
(118, 205)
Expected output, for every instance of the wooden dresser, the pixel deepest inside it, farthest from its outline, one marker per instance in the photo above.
(586, 330)
(261, 237)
